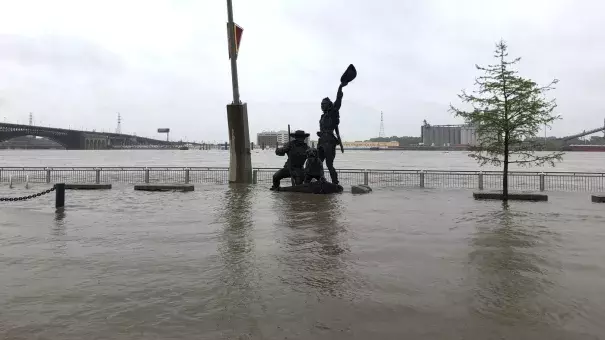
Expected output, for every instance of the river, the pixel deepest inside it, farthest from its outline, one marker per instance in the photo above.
(416, 160)
(238, 262)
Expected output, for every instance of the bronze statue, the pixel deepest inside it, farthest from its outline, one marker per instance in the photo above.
(297, 155)
(328, 125)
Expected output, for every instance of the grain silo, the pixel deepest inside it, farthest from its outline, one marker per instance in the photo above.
(441, 135)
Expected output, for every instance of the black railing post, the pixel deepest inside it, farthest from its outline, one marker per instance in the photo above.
(60, 196)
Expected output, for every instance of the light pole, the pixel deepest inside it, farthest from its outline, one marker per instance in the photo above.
(240, 162)
(233, 52)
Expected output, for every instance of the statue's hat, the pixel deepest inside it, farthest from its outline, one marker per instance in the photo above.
(299, 134)
(349, 75)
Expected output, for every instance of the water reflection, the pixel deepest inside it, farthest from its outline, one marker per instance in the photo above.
(311, 231)
(511, 266)
(237, 288)
(58, 234)
(237, 245)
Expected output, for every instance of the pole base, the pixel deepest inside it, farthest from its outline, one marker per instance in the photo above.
(240, 160)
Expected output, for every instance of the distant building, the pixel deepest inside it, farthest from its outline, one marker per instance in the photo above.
(282, 137)
(448, 135)
(273, 138)
(468, 135)
(267, 140)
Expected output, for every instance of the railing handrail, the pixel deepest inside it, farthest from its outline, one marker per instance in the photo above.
(221, 168)
(490, 179)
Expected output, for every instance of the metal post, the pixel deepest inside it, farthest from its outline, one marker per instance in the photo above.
(47, 175)
(422, 178)
(186, 175)
(365, 177)
(231, 25)
(254, 176)
(146, 175)
(542, 181)
(60, 195)
(240, 161)
(480, 180)
(240, 165)
(10, 181)
(97, 176)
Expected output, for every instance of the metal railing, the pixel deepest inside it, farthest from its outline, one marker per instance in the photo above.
(488, 180)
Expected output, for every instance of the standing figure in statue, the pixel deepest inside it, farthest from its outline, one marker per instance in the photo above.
(297, 155)
(328, 124)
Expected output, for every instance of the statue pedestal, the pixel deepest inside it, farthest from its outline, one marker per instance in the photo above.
(240, 161)
(314, 188)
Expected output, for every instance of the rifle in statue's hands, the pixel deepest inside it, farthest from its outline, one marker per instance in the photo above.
(289, 160)
(342, 149)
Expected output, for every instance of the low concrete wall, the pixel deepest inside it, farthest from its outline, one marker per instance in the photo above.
(164, 187)
(598, 198)
(511, 196)
(87, 186)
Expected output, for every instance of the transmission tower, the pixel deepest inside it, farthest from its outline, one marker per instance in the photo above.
(381, 133)
(119, 127)
(31, 119)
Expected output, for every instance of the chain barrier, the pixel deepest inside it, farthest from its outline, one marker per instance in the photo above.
(24, 198)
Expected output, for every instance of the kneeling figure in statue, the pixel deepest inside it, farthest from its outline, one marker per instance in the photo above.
(314, 168)
(297, 155)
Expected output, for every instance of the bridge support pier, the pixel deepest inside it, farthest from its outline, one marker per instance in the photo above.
(240, 161)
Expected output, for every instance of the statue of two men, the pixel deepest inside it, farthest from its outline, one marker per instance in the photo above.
(329, 138)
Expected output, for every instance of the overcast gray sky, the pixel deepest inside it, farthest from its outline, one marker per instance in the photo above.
(164, 63)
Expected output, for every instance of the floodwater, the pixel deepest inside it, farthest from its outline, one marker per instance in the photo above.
(239, 262)
(401, 160)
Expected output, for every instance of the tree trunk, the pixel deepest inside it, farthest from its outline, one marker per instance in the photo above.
(506, 127)
(505, 169)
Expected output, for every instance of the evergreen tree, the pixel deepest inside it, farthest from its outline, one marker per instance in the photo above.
(508, 112)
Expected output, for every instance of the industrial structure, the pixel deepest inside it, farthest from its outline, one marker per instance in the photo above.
(448, 135)
(381, 133)
(465, 135)
(586, 133)
(119, 127)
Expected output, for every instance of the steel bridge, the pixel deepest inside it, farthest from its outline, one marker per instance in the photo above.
(82, 140)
